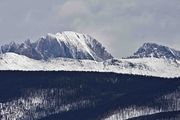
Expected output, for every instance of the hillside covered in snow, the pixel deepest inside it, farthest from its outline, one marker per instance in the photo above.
(142, 66)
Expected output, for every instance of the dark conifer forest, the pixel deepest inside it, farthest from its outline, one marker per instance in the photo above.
(87, 96)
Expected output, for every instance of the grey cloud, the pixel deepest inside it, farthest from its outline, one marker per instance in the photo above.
(121, 25)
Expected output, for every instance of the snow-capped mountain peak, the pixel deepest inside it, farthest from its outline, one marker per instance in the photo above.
(73, 39)
(66, 44)
(157, 51)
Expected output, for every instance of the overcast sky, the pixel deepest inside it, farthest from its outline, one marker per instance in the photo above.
(121, 25)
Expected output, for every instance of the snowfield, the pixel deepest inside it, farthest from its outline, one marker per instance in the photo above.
(139, 66)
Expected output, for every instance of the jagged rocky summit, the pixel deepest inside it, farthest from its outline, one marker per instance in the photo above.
(156, 51)
(66, 44)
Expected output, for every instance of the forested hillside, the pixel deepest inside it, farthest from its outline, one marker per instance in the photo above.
(84, 95)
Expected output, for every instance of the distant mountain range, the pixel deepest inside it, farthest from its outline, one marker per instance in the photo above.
(71, 51)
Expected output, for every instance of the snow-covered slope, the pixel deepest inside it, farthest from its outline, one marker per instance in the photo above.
(66, 44)
(157, 51)
(142, 66)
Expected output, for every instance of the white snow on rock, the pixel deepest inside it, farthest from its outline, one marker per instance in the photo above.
(66, 44)
(157, 51)
(140, 66)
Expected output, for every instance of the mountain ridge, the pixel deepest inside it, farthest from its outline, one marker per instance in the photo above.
(66, 44)
(157, 51)
(69, 44)
(71, 51)
(144, 66)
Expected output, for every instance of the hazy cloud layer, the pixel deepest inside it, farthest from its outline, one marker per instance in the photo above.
(121, 25)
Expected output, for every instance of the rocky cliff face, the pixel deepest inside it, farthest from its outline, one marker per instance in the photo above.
(157, 51)
(65, 44)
